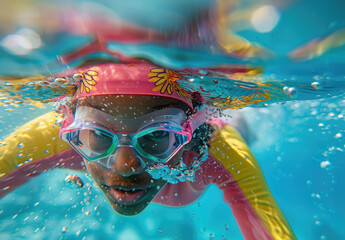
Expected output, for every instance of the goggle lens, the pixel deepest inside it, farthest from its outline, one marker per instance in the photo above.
(92, 143)
(157, 144)
(160, 144)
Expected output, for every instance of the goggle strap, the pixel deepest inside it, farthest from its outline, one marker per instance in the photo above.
(198, 119)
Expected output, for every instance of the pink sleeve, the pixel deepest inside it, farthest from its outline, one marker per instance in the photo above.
(66, 159)
(248, 221)
(212, 171)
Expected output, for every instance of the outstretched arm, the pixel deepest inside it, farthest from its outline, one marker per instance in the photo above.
(32, 149)
(245, 189)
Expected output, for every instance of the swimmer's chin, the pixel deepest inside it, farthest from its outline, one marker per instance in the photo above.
(128, 211)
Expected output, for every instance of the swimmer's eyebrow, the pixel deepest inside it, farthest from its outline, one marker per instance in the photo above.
(156, 108)
(169, 105)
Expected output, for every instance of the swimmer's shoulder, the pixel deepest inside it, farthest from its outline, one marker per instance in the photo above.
(35, 140)
(227, 145)
(226, 133)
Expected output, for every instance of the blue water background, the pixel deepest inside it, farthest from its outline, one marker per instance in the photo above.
(292, 142)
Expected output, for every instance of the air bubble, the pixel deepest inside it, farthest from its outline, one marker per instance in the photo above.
(77, 77)
(74, 181)
(291, 92)
(43, 83)
(324, 164)
(59, 81)
(20, 145)
(315, 195)
(285, 90)
(315, 85)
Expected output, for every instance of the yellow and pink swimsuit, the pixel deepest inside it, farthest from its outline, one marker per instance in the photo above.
(231, 166)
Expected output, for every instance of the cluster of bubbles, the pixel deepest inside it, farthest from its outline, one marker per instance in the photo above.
(63, 82)
(14, 95)
(181, 172)
(290, 91)
(9, 103)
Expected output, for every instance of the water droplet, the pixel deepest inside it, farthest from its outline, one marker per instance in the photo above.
(291, 92)
(43, 83)
(315, 85)
(19, 165)
(324, 164)
(338, 135)
(31, 84)
(59, 80)
(64, 229)
(77, 77)
(285, 90)
(74, 181)
(315, 195)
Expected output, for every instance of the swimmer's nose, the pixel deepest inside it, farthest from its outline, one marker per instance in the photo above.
(125, 162)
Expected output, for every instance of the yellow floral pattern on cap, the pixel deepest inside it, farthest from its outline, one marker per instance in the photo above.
(165, 81)
(88, 80)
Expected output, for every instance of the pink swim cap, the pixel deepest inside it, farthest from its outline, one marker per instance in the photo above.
(130, 78)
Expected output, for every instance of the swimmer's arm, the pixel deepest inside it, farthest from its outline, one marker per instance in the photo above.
(32, 149)
(245, 189)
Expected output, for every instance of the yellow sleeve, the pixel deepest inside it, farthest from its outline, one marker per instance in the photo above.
(34, 140)
(230, 149)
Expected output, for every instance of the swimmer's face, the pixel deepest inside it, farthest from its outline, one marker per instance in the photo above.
(128, 187)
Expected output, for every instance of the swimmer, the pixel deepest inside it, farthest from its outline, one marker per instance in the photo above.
(145, 139)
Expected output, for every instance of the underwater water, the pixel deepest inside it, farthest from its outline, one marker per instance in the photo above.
(293, 53)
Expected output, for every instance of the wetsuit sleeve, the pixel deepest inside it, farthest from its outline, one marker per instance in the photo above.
(245, 189)
(33, 148)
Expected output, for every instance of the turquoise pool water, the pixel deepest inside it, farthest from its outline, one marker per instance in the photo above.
(299, 138)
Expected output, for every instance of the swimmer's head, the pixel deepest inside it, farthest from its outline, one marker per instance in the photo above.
(139, 117)
(124, 181)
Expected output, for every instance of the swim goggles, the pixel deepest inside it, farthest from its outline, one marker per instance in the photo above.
(157, 136)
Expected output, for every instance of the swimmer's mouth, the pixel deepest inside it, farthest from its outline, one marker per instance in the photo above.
(125, 195)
